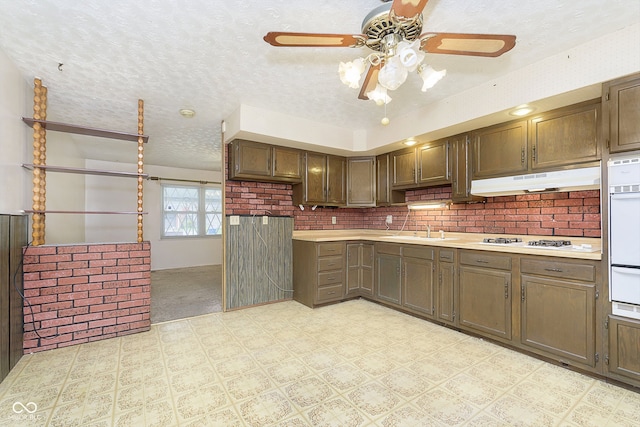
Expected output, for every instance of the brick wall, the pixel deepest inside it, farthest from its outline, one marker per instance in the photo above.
(86, 292)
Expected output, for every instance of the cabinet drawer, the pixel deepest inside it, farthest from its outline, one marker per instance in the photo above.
(330, 263)
(388, 248)
(330, 278)
(446, 255)
(417, 252)
(582, 272)
(325, 249)
(330, 293)
(486, 260)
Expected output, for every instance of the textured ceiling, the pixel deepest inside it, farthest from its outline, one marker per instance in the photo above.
(209, 55)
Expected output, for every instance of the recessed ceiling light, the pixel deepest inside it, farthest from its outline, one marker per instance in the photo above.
(410, 142)
(521, 110)
(187, 112)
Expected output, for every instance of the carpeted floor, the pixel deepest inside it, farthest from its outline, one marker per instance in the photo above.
(179, 293)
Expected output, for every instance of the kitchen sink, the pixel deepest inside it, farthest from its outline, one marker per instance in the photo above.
(419, 238)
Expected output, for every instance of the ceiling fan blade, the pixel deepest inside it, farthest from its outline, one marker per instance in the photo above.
(407, 9)
(491, 45)
(370, 81)
(279, 38)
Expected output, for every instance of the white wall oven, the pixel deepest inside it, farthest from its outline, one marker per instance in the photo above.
(624, 236)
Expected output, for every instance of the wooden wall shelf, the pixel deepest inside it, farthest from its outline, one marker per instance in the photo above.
(83, 171)
(83, 130)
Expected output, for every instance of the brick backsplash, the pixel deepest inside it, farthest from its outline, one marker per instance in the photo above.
(80, 293)
(575, 213)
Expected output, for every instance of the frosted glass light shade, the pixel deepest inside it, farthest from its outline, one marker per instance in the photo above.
(350, 72)
(410, 54)
(430, 76)
(393, 74)
(379, 95)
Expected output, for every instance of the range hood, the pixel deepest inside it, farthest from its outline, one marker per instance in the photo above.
(564, 180)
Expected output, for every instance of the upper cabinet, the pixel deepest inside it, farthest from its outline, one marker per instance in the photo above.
(324, 181)
(556, 139)
(461, 169)
(621, 113)
(434, 164)
(566, 136)
(500, 150)
(385, 196)
(361, 181)
(403, 168)
(255, 161)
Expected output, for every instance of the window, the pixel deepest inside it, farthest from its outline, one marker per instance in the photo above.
(191, 211)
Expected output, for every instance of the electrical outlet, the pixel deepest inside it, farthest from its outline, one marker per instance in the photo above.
(234, 220)
(389, 219)
(333, 220)
(265, 220)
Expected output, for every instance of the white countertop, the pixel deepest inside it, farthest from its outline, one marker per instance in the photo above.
(579, 249)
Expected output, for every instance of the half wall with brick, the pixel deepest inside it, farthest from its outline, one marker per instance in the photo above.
(86, 292)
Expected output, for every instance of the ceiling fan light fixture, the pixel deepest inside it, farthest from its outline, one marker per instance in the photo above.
(430, 76)
(350, 72)
(392, 74)
(410, 54)
(379, 95)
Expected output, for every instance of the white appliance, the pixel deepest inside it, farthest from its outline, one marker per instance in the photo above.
(624, 236)
(563, 180)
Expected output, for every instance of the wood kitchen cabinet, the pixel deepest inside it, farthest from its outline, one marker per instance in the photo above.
(559, 309)
(621, 113)
(461, 169)
(446, 311)
(385, 195)
(485, 293)
(255, 161)
(566, 136)
(434, 163)
(623, 360)
(324, 181)
(361, 182)
(500, 150)
(359, 278)
(418, 270)
(403, 168)
(388, 276)
(318, 272)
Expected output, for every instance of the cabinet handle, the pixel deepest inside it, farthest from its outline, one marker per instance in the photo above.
(331, 263)
(331, 250)
(482, 261)
(555, 270)
(533, 153)
(506, 290)
(522, 292)
(331, 293)
(522, 156)
(331, 278)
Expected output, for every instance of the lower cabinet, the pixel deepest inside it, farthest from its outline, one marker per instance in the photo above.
(446, 311)
(485, 293)
(559, 309)
(359, 279)
(623, 360)
(417, 279)
(388, 273)
(318, 272)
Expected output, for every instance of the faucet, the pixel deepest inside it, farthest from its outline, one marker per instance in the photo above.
(428, 231)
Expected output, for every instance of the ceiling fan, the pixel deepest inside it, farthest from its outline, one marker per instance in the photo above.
(393, 32)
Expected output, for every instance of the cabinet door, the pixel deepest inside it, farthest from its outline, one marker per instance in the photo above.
(446, 310)
(485, 301)
(565, 137)
(461, 169)
(403, 168)
(388, 278)
(361, 182)
(353, 268)
(287, 164)
(624, 348)
(384, 194)
(623, 113)
(315, 178)
(366, 278)
(434, 163)
(500, 150)
(559, 317)
(250, 159)
(417, 285)
(336, 180)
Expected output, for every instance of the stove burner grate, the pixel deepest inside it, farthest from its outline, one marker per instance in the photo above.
(553, 243)
(502, 240)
